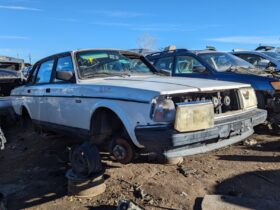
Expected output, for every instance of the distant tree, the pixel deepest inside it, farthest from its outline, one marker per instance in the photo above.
(146, 41)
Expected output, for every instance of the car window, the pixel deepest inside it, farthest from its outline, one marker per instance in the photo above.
(32, 77)
(165, 63)
(223, 62)
(107, 63)
(256, 60)
(45, 72)
(64, 64)
(187, 65)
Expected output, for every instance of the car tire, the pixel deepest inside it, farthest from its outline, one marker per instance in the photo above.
(85, 160)
(122, 150)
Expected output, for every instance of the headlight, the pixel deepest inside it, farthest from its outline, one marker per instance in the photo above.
(194, 116)
(163, 110)
(275, 85)
(248, 98)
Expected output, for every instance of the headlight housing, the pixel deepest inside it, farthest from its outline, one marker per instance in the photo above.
(163, 110)
(194, 116)
(247, 98)
(275, 85)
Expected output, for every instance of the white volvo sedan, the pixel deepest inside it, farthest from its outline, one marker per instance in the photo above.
(117, 98)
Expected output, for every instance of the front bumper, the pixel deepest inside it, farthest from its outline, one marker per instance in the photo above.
(226, 131)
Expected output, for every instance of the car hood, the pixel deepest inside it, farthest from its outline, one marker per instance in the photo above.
(165, 85)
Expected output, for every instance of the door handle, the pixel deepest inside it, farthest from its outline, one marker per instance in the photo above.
(48, 90)
(28, 91)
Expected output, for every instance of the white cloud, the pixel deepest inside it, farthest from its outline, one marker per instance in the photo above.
(13, 37)
(19, 8)
(247, 39)
(122, 14)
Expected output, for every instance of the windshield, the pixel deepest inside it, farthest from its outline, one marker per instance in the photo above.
(274, 55)
(109, 63)
(224, 61)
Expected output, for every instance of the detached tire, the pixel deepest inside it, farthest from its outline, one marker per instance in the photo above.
(85, 160)
(122, 150)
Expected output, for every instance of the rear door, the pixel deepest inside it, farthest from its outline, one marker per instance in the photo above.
(37, 91)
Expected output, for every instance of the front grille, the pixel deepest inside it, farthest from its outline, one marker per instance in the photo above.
(223, 101)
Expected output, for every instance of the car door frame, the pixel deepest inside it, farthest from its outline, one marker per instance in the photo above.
(38, 95)
(58, 93)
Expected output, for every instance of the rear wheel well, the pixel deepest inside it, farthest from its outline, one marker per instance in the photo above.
(24, 113)
(105, 124)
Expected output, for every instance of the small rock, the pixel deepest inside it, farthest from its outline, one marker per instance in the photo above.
(187, 171)
(250, 142)
(128, 205)
(183, 194)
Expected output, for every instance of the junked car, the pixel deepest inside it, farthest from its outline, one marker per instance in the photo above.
(209, 64)
(10, 77)
(264, 57)
(118, 99)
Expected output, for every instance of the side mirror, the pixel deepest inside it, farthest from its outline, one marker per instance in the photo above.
(64, 75)
(164, 72)
(199, 69)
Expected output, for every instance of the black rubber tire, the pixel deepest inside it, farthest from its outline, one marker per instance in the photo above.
(122, 150)
(85, 160)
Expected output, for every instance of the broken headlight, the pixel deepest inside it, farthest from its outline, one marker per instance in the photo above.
(248, 98)
(194, 116)
(163, 110)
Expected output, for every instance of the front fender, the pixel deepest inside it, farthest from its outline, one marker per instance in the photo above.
(119, 111)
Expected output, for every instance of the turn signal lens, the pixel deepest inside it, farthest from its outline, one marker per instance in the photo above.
(275, 85)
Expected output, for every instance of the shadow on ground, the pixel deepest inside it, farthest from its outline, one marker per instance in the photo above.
(35, 172)
(261, 185)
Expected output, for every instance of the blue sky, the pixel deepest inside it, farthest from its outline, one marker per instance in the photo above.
(41, 27)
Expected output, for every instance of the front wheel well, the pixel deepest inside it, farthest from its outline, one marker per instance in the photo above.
(105, 124)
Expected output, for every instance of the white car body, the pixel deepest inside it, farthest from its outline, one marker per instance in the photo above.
(72, 105)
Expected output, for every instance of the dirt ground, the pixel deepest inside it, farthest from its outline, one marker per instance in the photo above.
(33, 166)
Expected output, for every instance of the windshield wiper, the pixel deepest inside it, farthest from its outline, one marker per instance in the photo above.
(100, 74)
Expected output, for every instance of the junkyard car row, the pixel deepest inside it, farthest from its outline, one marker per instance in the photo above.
(118, 99)
(128, 103)
(224, 66)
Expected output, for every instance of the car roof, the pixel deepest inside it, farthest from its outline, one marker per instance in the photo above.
(125, 52)
(179, 51)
